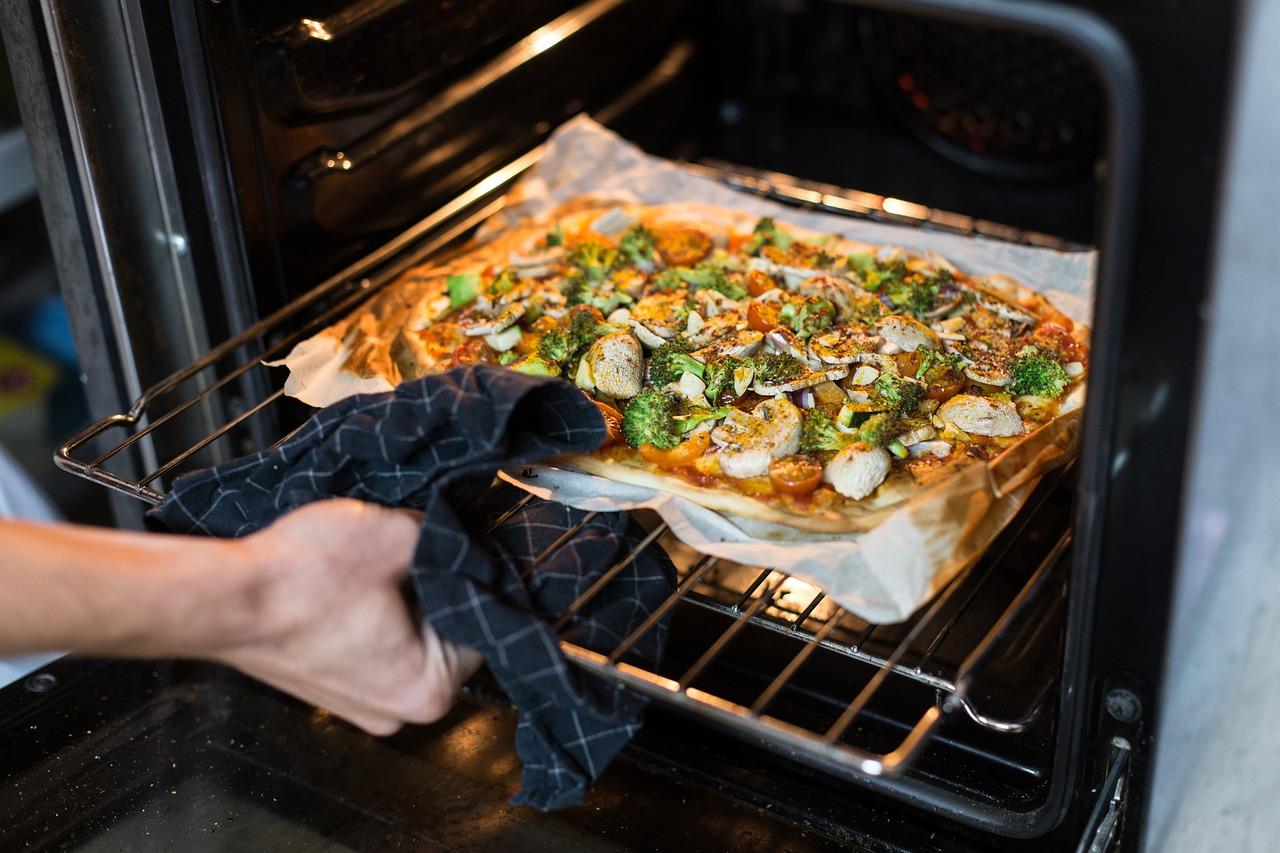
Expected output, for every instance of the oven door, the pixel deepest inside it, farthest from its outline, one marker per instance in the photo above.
(263, 159)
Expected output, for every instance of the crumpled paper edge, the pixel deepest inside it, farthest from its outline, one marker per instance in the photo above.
(882, 575)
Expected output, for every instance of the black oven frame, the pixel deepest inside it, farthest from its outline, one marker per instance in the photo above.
(101, 454)
(1119, 615)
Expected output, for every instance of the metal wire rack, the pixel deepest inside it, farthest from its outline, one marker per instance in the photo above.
(745, 599)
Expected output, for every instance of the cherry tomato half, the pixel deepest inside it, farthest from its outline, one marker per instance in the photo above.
(762, 316)
(474, 351)
(612, 421)
(759, 281)
(1057, 339)
(944, 383)
(682, 455)
(795, 475)
(682, 247)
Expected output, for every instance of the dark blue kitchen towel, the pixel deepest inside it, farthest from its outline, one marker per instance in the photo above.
(434, 444)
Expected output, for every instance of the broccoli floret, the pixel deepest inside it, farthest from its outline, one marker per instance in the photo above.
(636, 246)
(719, 375)
(463, 289)
(609, 302)
(507, 357)
(667, 280)
(593, 259)
(818, 434)
(555, 346)
(670, 361)
(775, 367)
(861, 263)
(555, 237)
(694, 415)
(915, 293)
(932, 358)
(504, 282)
(1037, 373)
(879, 274)
(766, 233)
(709, 277)
(809, 317)
(879, 429)
(649, 418)
(576, 288)
(585, 329)
(903, 395)
(536, 365)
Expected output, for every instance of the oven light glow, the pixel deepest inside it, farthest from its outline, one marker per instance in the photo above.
(316, 29)
(544, 39)
(898, 207)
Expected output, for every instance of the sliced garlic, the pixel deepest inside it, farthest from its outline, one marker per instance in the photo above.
(864, 375)
(504, 340)
(583, 379)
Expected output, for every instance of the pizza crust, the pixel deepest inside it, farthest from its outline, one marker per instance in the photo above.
(379, 347)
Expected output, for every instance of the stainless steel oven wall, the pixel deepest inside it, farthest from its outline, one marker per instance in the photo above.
(88, 99)
(1218, 749)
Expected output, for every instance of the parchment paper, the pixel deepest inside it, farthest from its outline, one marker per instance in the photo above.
(882, 575)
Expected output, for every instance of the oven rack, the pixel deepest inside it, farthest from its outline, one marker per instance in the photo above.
(233, 375)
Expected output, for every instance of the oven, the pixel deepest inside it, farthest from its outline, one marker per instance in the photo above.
(222, 178)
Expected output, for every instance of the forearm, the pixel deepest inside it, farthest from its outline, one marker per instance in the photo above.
(116, 593)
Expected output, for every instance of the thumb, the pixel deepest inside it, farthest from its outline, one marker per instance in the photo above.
(390, 535)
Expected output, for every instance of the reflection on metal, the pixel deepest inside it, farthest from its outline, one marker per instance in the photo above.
(316, 29)
(832, 199)
(1104, 820)
(530, 47)
(335, 26)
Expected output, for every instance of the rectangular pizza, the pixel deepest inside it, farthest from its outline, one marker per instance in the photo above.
(754, 367)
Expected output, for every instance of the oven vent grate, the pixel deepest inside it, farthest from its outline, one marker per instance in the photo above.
(746, 602)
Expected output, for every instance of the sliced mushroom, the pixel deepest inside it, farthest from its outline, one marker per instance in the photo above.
(617, 363)
(1007, 311)
(838, 291)
(982, 415)
(844, 345)
(742, 343)
(714, 328)
(988, 371)
(664, 314)
(858, 470)
(917, 433)
(939, 449)
(907, 333)
(475, 323)
(808, 380)
(748, 444)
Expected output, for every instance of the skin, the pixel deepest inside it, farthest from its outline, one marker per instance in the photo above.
(311, 605)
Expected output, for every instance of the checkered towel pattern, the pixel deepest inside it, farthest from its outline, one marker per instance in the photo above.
(434, 445)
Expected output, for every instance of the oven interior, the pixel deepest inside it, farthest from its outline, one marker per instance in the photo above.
(321, 148)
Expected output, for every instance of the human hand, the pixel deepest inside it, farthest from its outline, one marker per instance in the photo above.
(332, 626)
